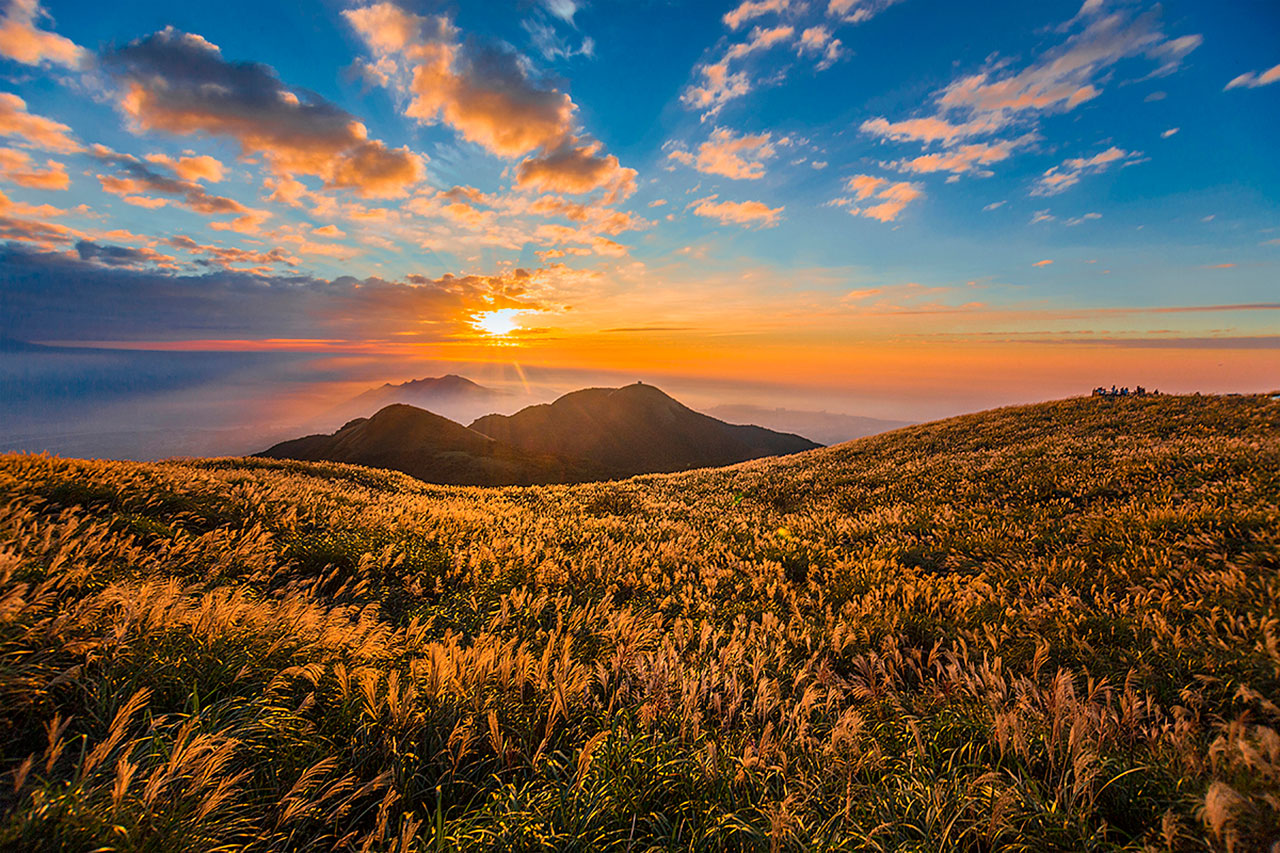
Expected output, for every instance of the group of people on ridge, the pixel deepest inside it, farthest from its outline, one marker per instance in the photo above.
(1124, 392)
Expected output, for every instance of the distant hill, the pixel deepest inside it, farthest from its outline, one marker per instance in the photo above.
(455, 397)
(825, 427)
(594, 434)
(431, 448)
(636, 429)
(424, 392)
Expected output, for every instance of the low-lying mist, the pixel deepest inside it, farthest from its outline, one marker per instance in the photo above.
(148, 404)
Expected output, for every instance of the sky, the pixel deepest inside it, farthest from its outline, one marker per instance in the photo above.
(897, 208)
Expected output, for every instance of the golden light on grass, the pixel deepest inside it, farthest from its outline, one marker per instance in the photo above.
(893, 626)
(498, 323)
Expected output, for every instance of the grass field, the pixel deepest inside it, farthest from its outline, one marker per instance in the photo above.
(1053, 627)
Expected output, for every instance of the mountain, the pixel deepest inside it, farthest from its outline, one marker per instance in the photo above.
(455, 397)
(636, 429)
(431, 448)
(425, 392)
(594, 434)
(825, 427)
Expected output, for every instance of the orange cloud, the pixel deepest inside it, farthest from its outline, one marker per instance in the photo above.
(930, 129)
(965, 158)
(137, 178)
(16, 167)
(18, 222)
(738, 212)
(179, 83)
(750, 9)
(892, 198)
(22, 41)
(577, 169)
(719, 85)
(485, 95)
(35, 131)
(1043, 263)
(226, 256)
(737, 157)
(818, 40)
(201, 168)
(864, 185)
(146, 201)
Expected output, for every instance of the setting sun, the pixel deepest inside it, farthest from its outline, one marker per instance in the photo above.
(858, 429)
(498, 323)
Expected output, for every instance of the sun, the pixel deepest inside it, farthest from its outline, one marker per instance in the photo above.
(497, 323)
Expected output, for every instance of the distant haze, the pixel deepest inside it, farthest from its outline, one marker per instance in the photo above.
(823, 427)
(149, 404)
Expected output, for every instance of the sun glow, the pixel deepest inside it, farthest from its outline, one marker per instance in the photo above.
(497, 323)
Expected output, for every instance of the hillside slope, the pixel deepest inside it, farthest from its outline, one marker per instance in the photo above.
(1051, 627)
(636, 429)
(431, 448)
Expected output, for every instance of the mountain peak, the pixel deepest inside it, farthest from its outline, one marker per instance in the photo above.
(594, 433)
(635, 429)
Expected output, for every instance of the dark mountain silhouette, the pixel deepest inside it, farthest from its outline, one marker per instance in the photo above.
(431, 448)
(594, 434)
(636, 429)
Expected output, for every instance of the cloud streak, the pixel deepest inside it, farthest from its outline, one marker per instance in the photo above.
(1060, 178)
(1253, 80)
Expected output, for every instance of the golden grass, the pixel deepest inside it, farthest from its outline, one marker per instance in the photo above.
(1037, 628)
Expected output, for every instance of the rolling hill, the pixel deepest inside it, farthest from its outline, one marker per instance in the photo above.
(431, 448)
(1047, 627)
(599, 433)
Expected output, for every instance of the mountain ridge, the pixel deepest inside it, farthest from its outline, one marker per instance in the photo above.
(590, 434)
(637, 427)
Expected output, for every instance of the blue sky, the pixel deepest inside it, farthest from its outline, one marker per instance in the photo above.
(738, 188)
